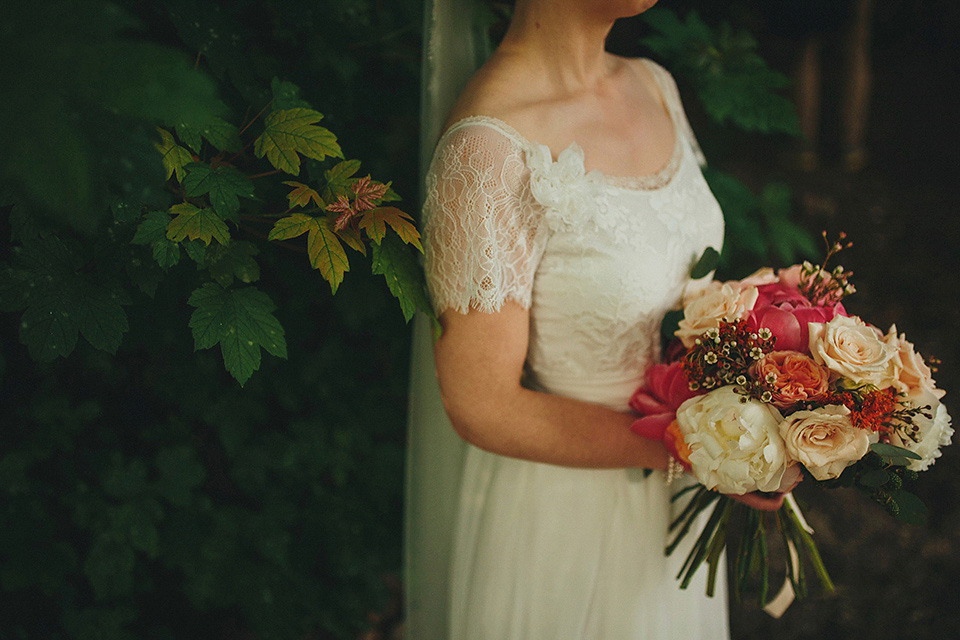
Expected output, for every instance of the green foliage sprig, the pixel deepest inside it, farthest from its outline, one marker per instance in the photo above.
(221, 179)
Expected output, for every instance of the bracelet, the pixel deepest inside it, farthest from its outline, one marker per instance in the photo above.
(674, 470)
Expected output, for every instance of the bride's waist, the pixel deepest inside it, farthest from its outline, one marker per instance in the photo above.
(610, 389)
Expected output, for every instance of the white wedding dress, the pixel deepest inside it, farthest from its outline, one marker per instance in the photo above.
(543, 551)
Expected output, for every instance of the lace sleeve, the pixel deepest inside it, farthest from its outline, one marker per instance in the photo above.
(482, 232)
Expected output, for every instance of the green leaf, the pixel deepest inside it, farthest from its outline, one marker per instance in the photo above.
(400, 269)
(166, 252)
(196, 224)
(912, 510)
(375, 223)
(59, 301)
(152, 228)
(708, 262)
(174, 157)
(893, 451)
(874, 478)
(289, 132)
(225, 185)
(292, 226)
(326, 253)
(339, 178)
(241, 321)
(223, 135)
(233, 261)
(101, 319)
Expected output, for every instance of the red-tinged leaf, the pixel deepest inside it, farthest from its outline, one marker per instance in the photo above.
(302, 195)
(351, 238)
(375, 222)
(292, 226)
(326, 253)
(193, 223)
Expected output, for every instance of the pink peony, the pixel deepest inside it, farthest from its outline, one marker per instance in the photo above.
(797, 378)
(786, 312)
(666, 388)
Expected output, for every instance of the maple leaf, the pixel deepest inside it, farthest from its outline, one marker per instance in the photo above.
(60, 301)
(152, 228)
(175, 157)
(345, 208)
(291, 226)
(221, 134)
(323, 246)
(241, 321)
(225, 185)
(193, 223)
(233, 261)
(394, 262)
(326, 253)
(166, 252)
(289, 132)
(301, 195)
(351, 238)
(375, 223)
(367, 191)
(338, 179)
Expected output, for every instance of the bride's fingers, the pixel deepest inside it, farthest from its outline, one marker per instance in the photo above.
(762, 502)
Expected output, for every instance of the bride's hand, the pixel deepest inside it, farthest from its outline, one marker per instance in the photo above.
(760, 501)
(764, 501)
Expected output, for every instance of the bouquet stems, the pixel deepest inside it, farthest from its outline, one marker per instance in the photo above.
(751, 563)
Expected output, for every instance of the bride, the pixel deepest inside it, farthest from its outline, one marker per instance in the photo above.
(564, 208)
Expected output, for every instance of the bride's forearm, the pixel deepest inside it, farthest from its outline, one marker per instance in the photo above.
(479, 360)
(547, 428)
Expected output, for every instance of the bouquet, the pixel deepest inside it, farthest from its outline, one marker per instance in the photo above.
(773, 380)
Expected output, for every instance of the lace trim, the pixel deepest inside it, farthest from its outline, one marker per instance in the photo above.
(649, 182)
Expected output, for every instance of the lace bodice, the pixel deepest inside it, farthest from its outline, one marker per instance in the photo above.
(597, 259)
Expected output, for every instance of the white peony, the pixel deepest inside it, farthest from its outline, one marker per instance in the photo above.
(824, 440)
(735, 443)
(716, 302)
(932, 433)
(854, 349)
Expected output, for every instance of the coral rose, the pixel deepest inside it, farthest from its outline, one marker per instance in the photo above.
(853, 349)
(824, 440)
(797, 377)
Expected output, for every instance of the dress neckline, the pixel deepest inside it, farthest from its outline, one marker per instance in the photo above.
(648, 182)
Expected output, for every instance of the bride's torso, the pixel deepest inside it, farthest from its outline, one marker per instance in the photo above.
(597, 259)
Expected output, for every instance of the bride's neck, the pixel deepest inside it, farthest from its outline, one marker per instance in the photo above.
(562, 38)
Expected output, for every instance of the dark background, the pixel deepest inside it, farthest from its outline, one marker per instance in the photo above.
(145, 495)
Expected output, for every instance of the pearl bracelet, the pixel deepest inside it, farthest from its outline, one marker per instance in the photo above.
(674, 470)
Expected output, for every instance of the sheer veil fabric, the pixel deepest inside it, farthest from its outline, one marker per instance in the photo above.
(454, 47)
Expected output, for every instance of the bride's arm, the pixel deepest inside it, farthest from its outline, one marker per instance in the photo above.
(479, 360)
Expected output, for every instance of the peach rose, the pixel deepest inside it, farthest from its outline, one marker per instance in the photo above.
(914, 372)
(795, 377)
(824, 440)
(715, 303)
(853, 349)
